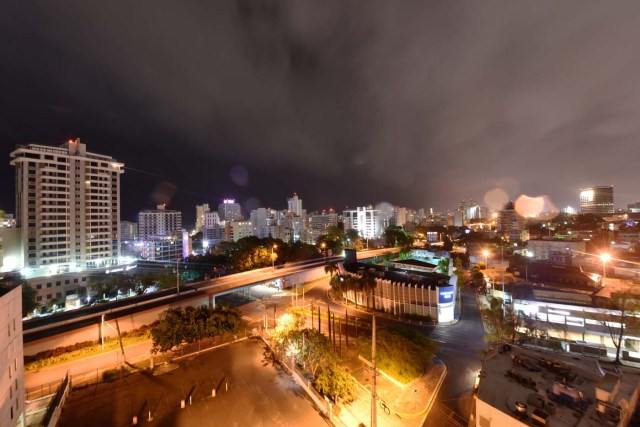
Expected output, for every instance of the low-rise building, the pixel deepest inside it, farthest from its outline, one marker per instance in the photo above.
(520, 388)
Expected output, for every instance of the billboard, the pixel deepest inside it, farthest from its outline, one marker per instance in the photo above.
(446, 294)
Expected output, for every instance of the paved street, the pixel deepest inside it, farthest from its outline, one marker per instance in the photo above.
(258, 394)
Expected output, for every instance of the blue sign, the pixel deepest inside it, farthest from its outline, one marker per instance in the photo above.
(445, 294)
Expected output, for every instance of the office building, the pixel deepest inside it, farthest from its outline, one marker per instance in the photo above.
(544, 249)
(365, 220)
(236, 230)
(201, 210)
(128, 231)
(159, 223)
(213, 230)
(7, 220)
(597, 200)
(261, 219)
(11, 358)
(67, 206)
(320, 223)
(229, 210)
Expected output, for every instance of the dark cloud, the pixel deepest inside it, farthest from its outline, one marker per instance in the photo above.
(416, 103)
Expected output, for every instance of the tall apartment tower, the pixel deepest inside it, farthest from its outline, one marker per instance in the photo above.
(229, 210)
(200, 211)
(294, 205)
(159, 223)
(67, 206)
(597, 200)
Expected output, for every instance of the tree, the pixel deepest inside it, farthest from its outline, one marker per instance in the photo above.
(314, 349)
(443, 265)
(368, 284)
(386, 258)
(621, 316)
(331, 269)
(337, 383)
(192, 324)
(504, 324)
(28, 299)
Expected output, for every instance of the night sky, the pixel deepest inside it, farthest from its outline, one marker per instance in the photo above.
(420, 104)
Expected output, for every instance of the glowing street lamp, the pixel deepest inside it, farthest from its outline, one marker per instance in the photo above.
(273, 257)
(323, 245)
(485, 253)
(605, 257)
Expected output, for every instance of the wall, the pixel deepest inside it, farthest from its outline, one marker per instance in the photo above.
(11, 359)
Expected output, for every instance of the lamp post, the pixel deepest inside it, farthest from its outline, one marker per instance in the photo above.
(605, 258)
(323, 245)
(273, 259)
(485, 253)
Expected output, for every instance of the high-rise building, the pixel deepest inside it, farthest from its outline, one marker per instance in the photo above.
(365, 220)
(597, 200)
(236, 230)
(128, 231)
(213, 231)
(159, 223)
(67, 206)
(294, 205)
(261, 221)
(201, 210)
(11, 358)
(634, 207)
(510, 224)
(229, 210)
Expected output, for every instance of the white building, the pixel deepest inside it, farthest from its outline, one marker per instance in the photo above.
(236, 230)
(11, 358)
(365, 220)
(201, 210)
(67, 206)
(294, 205)
(159, 223)
(261, 220)
(213, 230)
(541, 249)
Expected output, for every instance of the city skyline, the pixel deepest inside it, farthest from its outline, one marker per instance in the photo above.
(346, 106)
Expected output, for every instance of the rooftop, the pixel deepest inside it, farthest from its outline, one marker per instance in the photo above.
(401, 276)
(537, 385)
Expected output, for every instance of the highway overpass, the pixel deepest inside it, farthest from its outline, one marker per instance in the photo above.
(85, 324)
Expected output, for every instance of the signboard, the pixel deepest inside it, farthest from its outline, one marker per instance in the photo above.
(446, 294)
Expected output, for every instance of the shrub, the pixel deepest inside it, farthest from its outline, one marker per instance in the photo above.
(114, 374)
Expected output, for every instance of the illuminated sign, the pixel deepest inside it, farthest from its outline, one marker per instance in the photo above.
(445, 294)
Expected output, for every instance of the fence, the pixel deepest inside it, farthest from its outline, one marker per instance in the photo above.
(55, 406)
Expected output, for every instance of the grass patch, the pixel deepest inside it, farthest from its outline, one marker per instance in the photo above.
(401, 352)
(61, 355)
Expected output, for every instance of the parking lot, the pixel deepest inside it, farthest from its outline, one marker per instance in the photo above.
(248, 392)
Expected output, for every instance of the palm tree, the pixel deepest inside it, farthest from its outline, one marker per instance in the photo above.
(331, 269)
(368, 283)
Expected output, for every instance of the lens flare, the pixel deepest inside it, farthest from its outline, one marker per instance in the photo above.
(496, 198)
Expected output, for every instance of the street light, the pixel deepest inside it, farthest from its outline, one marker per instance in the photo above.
(323, 245)
(273, 257)
(605, 258)
(485, 253)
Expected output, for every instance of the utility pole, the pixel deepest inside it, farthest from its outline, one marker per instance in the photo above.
(504, 296)
(178, 275)
(346, 326)
(374, 416)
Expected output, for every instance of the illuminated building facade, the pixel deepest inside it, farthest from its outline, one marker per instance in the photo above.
(67, 206)
(597, 200)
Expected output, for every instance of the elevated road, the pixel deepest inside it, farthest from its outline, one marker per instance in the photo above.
(43, 327)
